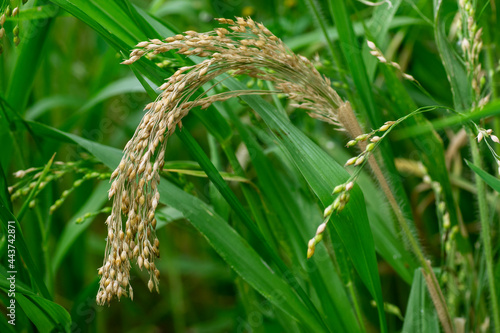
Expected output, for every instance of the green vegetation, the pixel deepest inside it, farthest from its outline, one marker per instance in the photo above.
(333, 169)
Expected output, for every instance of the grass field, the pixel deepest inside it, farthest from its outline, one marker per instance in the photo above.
(300, 165)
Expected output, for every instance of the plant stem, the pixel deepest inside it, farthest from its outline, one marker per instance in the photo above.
(485, 230)
(432, 283)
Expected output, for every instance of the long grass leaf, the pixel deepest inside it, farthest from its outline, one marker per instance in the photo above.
(46, 315)
(429, 146)
(111, 157)
(323, 175)
(285, 204)
(366, 100)
(238, 253)
(491, 180)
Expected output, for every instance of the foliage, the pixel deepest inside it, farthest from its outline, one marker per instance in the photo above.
(247, 185)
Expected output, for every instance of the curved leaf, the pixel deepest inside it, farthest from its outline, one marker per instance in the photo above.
(46, 315)
(237, 253)
(323, 174)
(491, 180)
(225, 240)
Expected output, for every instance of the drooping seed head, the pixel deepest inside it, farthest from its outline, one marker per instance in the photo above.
(243, 48)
